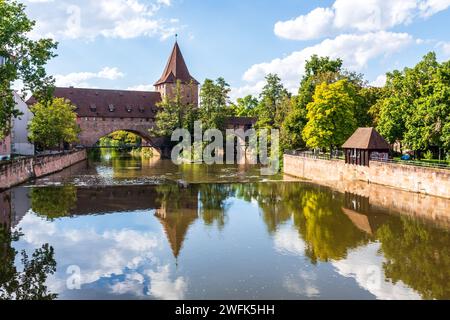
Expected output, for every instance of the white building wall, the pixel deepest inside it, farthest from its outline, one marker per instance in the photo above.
(19, 132)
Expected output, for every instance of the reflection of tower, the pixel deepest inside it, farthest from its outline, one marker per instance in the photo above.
(176, 218)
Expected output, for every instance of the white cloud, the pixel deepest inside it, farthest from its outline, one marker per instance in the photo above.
(380, 81)
(355, 50)
(118, 252)
(444, 47)
(162, 287)
(365, 265)
(311, 26)
(288, 241)
(79, 79)
(357, 16)
(86, 19)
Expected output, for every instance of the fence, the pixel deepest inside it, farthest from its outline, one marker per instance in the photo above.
(339, 155)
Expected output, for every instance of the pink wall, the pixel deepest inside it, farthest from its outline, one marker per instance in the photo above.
(17, 172)
(5, 146)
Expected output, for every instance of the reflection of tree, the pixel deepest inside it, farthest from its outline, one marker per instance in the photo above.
(316, 213)
(28, 284)
(53, 202)
(328, 233)
(418, 255)
(276, 200)
(213, 201)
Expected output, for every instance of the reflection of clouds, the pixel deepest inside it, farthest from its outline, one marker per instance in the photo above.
(104, 255)
(288, 241)
(302, 285)
(164, 288)
(365, 264)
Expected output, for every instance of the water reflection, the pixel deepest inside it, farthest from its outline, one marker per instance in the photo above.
(236, 241)
(28, 280)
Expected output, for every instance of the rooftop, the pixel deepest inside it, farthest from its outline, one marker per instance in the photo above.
(367, 139)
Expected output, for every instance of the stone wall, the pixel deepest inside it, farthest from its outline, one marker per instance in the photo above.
(428, 181)
(16, 172)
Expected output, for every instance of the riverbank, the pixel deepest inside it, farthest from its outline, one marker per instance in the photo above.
(20, 171)
(428, 181)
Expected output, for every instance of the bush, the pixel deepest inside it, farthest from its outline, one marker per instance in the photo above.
(428, 155)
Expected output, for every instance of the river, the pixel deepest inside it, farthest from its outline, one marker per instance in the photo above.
(123, 227)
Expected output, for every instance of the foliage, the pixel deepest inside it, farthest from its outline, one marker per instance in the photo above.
(214, 100)
(120, 138)
(25, 60)
(274, 103)
(173, 114)
(330, 116)
(54, 123)
(415, 109)
(245, 107)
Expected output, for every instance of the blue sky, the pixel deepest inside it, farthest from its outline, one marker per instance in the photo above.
(124, 44)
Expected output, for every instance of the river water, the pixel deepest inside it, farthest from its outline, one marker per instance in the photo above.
(122, 227)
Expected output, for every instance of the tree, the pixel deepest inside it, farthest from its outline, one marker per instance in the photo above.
(173, 114)
(415, 109)
(330, 116)
(214, 99)
(245, 107)
(54, 123)
(273, 103)
(24, 60)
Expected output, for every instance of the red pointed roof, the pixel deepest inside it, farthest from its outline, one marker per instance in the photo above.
(176, 69)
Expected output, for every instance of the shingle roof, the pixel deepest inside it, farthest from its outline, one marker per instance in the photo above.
(176, 69)
(366, 138)
(109, 103)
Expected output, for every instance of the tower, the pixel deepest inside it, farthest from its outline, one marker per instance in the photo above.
(176, 70)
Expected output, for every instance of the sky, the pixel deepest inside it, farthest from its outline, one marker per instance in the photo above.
(124, 44)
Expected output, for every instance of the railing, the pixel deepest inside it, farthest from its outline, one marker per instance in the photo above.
(335, 155)
(339, 155)
(413, 163)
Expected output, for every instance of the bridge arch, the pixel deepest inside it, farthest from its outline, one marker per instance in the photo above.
(93, 129)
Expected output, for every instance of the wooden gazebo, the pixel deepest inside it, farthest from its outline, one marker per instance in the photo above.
(364, 145)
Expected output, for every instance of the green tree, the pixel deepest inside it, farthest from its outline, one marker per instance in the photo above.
(274, 103)
(214, 99)
(331, 119)
(415, 109)
(173, 114)
(245, 107)
(25, 60)
(54, 123)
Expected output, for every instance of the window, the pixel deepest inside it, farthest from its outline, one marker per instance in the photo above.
(141, 109)
(129, 108)
(111, 108)
(93, 107)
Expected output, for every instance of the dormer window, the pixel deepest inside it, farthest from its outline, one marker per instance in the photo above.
(93, 107)
(141, 109)
(111, 108)
(129, 108)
